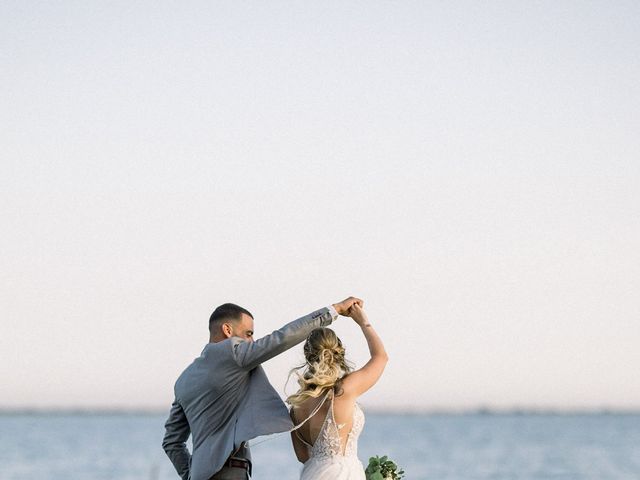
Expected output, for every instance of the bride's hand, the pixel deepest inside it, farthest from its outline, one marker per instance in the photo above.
(358, 314)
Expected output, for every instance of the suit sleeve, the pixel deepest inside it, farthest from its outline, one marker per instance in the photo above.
(177, 432)
(251, 354)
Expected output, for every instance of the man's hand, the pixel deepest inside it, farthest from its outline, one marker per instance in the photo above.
(343, 307)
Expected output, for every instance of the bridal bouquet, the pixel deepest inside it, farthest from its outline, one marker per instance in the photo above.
(381, 468)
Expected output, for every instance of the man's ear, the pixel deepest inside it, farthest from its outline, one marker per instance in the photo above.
(227, 330)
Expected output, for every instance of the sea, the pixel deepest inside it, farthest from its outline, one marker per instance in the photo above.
(437, 446)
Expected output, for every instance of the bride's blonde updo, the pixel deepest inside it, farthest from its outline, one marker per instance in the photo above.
(325, 366)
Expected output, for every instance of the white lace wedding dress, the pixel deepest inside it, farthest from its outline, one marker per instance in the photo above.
(328, 460)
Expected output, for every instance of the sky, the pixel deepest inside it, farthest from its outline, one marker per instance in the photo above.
(471, 170)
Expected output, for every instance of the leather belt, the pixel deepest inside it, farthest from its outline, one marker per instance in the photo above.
(235, 462)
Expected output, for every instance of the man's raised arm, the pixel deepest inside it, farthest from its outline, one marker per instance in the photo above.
(251, 354)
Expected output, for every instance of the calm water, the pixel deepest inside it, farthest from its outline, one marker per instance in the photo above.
(86, 447)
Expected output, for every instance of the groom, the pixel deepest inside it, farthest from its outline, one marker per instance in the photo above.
(223, 399)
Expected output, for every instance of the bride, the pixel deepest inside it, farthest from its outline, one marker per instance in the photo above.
(324, 409)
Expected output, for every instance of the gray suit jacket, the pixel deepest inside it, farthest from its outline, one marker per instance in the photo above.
(224, 398)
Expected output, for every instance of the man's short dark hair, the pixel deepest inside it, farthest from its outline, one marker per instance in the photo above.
(225, 313)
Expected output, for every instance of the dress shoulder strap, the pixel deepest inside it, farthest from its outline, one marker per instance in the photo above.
(315, 410)
(297, 434)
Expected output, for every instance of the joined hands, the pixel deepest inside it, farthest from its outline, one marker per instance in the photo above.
(352, 307)
(344, 307)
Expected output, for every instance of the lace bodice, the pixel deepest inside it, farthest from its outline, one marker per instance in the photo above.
(328, 442)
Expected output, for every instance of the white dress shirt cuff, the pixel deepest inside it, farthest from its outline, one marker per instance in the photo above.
(333, 312)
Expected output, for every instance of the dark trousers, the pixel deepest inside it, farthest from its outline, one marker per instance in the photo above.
(235, 473)
(231, 473)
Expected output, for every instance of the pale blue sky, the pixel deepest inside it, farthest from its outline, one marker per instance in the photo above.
(470, 169)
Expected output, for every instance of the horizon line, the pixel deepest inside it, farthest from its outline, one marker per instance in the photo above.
(482, 410)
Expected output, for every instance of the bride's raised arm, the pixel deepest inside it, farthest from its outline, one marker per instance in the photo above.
(358, 382)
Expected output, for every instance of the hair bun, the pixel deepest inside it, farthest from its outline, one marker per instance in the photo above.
(326, 355)
(324, 368)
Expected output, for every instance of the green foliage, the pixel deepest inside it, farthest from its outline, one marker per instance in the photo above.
(381, 468)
